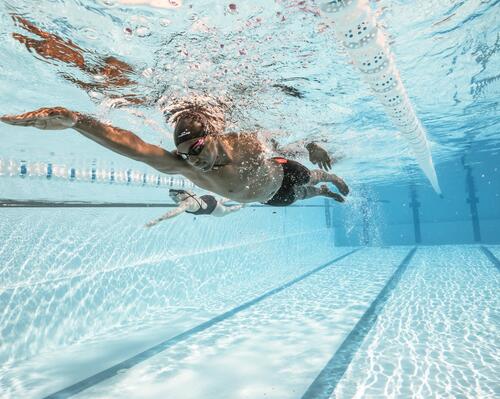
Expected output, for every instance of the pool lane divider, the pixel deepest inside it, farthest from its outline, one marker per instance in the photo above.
(325, 383)
(493, 259)
(162, 346)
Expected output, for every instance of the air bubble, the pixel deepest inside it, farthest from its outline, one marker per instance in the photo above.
(165, 22)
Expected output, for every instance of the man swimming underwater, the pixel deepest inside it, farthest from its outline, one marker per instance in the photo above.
(233, 165)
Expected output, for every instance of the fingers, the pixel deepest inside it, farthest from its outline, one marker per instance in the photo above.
(40, 123)
(19, 120)
(324, 165)
(12, 121)
(338, 197)
(39, 118)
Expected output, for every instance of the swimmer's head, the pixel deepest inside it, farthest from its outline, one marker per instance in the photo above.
(198, 120)
(200, 152)
(196, 114)
(180, 195)
(188, 129)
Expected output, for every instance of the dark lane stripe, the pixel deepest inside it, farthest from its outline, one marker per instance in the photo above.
(491, 257)
(148, 353)
(76, 204)
(5, 203)
(327, 380)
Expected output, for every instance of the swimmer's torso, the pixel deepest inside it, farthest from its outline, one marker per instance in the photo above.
(249, 177)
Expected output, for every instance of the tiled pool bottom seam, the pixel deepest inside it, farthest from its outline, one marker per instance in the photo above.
(148, 353)
(493, 259)
(325, 383)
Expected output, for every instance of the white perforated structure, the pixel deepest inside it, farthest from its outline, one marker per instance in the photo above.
(90, 174)
(356, 28)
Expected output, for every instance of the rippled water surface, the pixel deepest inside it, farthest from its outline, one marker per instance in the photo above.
(275, 62)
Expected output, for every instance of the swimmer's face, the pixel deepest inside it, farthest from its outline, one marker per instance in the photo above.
(200, 153)
(175, 197)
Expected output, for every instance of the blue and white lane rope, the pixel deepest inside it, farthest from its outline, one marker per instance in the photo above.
(358, 32)
(91, 174)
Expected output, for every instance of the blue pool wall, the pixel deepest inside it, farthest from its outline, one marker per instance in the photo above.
(467, 213)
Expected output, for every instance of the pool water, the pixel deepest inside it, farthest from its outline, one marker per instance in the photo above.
(393, 294)
(370, 322)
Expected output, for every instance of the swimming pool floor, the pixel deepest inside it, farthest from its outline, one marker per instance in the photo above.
(373, 323)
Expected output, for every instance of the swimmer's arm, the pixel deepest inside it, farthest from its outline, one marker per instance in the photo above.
(171, 214)
(223, 210)
(317, 155)
(118, 140)
(128, 144)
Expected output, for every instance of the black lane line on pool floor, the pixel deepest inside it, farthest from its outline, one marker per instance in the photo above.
(148, 353)
(493, 259)
(327, 380)
(5, 203)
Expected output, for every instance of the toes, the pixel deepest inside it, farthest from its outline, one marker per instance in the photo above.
(338, 198)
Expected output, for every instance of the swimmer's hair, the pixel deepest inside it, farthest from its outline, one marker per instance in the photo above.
(197, 112)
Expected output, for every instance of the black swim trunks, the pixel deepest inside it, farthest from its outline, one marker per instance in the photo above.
(294, 174)
(211, 205)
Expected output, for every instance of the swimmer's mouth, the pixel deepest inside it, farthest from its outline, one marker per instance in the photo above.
(206, 168)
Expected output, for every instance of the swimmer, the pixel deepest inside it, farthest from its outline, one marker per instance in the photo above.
(233, 165)
(190, 203)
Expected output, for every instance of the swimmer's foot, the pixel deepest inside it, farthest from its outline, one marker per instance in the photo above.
(325, 191)
(340, 184)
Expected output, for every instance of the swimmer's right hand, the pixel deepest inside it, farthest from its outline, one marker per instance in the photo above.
(56, 118)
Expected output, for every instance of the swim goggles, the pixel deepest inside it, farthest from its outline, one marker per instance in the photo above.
(195, 149)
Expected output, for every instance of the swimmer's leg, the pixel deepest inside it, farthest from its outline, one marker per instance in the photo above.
(223, 210)
(318, 176)
(304, 192)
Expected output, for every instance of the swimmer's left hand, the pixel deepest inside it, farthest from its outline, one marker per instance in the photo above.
(319, 156)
